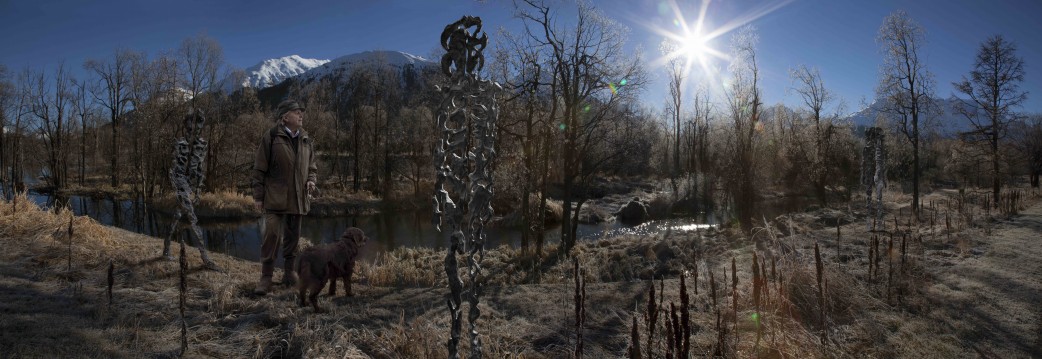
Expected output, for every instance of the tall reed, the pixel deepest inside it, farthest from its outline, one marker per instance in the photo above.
(821, 294)
(651, 316)
(111, 281)
(580, 309)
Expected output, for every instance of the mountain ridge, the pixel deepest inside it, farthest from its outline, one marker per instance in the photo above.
(945, 118)
(271, 72)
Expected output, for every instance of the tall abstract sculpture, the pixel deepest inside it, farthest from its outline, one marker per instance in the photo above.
(463, 188)
(873, 174)
(186, 175)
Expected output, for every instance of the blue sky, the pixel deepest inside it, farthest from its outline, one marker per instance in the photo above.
(837, 36)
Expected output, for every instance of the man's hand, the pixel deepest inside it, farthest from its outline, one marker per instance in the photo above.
(311, 187)
(259, 206)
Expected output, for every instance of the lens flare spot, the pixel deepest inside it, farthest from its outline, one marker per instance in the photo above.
(663, 8)
(586, 108)
(623, 82)
(614, 90)
(560, 127)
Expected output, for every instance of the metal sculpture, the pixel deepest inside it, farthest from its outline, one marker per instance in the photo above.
(873, 175)
(187, 175)
(463, 188)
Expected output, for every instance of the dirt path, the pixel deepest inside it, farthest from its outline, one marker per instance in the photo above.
(993, 300)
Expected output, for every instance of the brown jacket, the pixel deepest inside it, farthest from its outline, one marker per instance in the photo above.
(279, 178)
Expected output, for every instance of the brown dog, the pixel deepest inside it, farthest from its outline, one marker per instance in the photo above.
(327, 262)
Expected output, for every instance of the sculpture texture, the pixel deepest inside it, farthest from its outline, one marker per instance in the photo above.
(873, 175)
(187, 175)
(463, 189)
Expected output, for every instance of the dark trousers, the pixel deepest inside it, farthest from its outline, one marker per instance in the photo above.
(280, 230)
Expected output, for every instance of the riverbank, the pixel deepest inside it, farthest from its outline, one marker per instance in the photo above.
(236, 205)
(971, 290)
(608, 195)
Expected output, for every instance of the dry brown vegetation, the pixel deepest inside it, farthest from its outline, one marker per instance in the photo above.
(221, 204)
(967, 289)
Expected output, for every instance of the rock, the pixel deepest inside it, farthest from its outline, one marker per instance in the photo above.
(635, 212)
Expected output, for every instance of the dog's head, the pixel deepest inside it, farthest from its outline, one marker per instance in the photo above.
(354, 237)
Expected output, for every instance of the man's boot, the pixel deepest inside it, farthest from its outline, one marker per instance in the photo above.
(289, 274)
(264, 286)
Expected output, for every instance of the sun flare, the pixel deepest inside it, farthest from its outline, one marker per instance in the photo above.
(694, 47)
(693, 42)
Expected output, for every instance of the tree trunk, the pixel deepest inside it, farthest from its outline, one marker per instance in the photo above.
(114, 156)
(915, 163)
(356, 185)
(3, 161)
(336, 141)
(566, 218)
(83, 148)
(545, 174)
(996, 183)
(915, 180)
(575, 218)
(526, 215)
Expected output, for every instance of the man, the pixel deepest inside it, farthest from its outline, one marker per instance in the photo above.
(284, 169)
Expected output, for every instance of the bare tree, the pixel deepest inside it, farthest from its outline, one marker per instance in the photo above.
(360, 94)
(7, 93)
(50, 107)
(114, 94)
(744, 108)
(588, 63)
(201, 59)
(417, 135)
(83, 108)
(675, 69)
(811, 89)
(992, 92)
(1029, 143)
(522, 75)
(21, 110)
(699, 142)
(905, 85)
(158, 103)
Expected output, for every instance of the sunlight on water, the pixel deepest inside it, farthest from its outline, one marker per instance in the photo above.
(692, 227)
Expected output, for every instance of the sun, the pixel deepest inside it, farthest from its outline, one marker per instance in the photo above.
(693, 41)
(694, 46)
(687, 43)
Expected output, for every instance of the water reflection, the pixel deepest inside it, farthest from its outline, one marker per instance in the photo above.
(387, 231)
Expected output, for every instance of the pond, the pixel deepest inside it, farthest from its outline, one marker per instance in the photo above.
(387, 230)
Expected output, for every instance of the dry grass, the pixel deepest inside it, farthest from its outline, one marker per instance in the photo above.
(223, 204)
(99, 185)
(554, 213)
(51, 310)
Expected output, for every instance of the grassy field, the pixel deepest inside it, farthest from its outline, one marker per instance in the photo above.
(966, 284)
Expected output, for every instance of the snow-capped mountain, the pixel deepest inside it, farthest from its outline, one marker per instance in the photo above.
(342, 66)
(270, 72)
